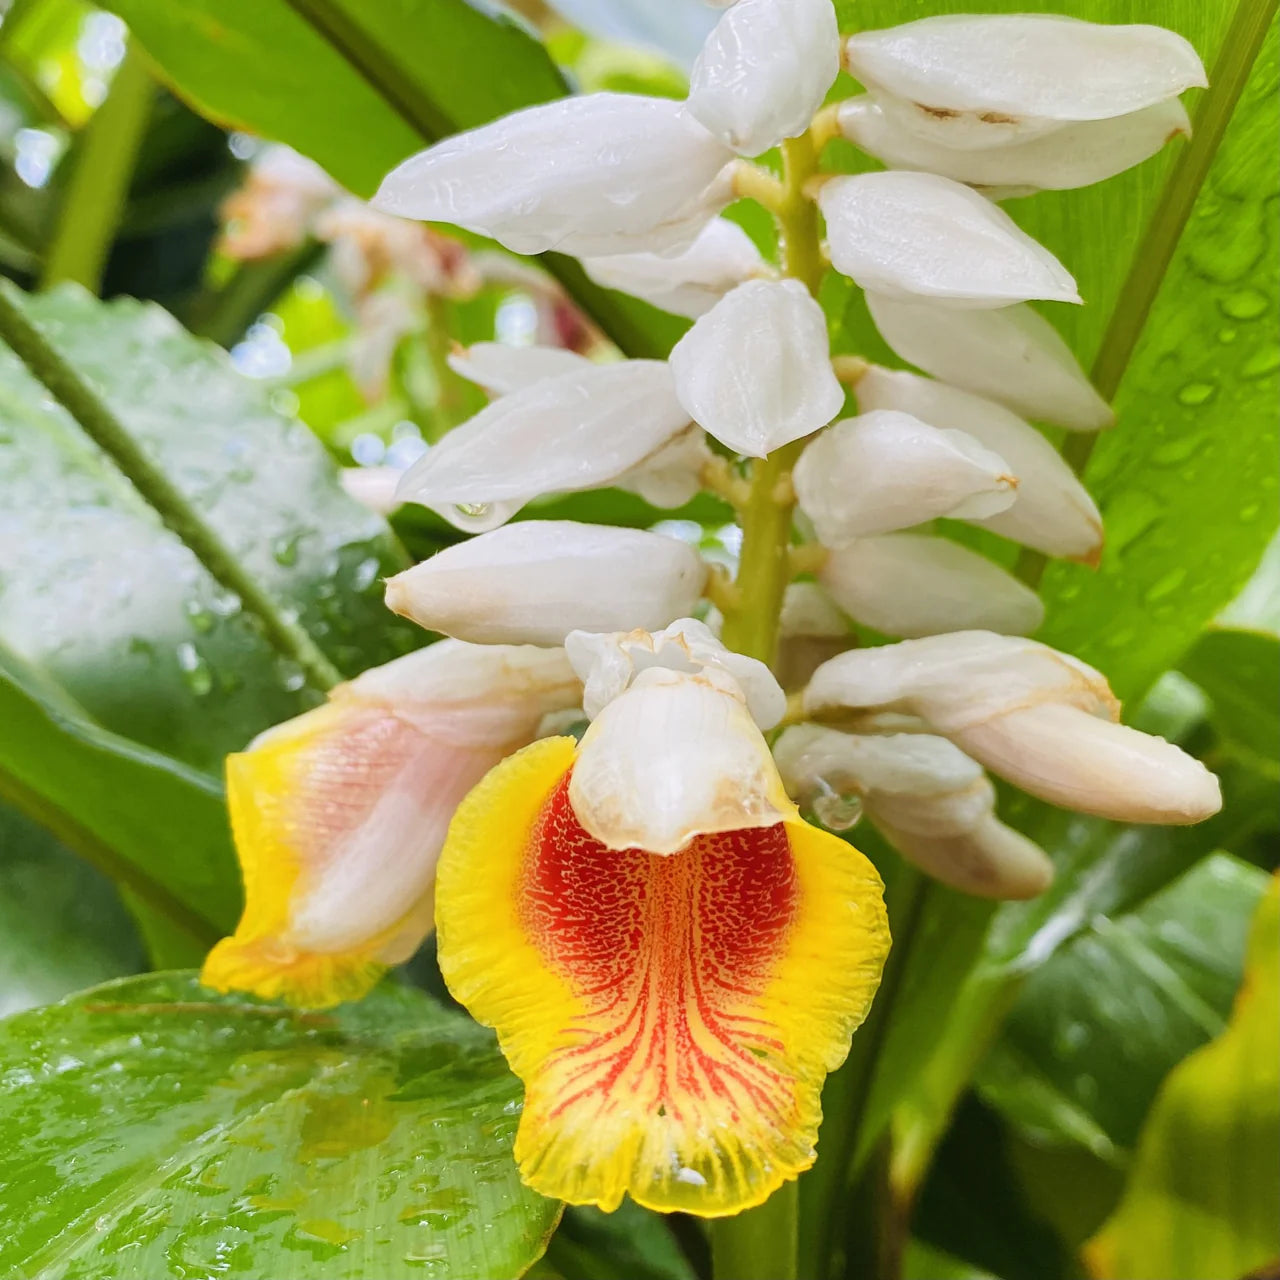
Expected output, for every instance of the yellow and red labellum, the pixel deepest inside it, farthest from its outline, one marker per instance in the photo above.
(672, 1017)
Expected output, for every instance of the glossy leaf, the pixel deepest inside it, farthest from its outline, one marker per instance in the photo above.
(223, 1136)
(1240, 671)
(1095, 1030)
(112, 605)
(62, 926)
(1201, 1200)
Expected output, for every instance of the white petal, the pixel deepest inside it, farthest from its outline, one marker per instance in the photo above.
(919, 235)
(1073, 759)
(501, 369)
(910, 584)
(674, 757)
(535, 581)
(989, 860)
(764, 71)
(886, 470)
(1011, 354)
(608, 664)
(807, 610)
(672, 474)
(755, 371)
(372, 487)
(1076, 155)
(1027, 68)
(1052, 511)
(959, 680)
(689, 283)
(594, 174)
(579, 430)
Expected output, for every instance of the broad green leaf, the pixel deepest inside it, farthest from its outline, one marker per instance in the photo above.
(152, 824)
(1201, 1200)
(110, 604)
(629, 1244)
(62, 927)
(1096, 1029)
(1240, 671)
(222, 1136)
(923, 1262)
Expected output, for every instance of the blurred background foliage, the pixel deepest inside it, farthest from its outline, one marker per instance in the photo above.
(1078, 1085)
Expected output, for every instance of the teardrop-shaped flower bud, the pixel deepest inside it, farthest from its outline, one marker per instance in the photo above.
(535, 581)
(931, 801)
(1010, 354)
(576, 431)
(1052, 510)
(675, 756)
(911, 584)
(689, 283)
(501, 369)
(1076, 155)
(919, 235)
(755, 371)
(978, 80)
(339, 814)
(672, 474)
(1042, 719)
(608, 664)
(886, 470)
(764, 71)
(594, 174)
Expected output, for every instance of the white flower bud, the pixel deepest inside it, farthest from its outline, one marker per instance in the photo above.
(1010, 354)
(501, 369)
(919, 235)
(576, 431)
(886, 470)
(672, 474)
(1041, 719)
(1076, 155)
(755, 371)
(807, 610)
(1051, 511)
(910, 584)
(689, 283)
(608, 664)
(675, 756)
(977, 81)
(764, 71)
(931, 801)
(595, 174)
(535, 581)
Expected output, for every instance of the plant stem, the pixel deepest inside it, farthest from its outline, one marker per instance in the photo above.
(759, 1244)
(104, 160)
(101, 425)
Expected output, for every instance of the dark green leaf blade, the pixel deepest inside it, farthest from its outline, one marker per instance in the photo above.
(224, 1136)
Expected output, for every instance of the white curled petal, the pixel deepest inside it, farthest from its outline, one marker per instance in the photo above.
(989, 860)
(958, 680)
(595, 174)
(579, 430)
(1052, 511)
(1023, 68)
(675, 756)
(689, 283)
(535, 581)
(1076, 155)
(755, 371)
(1010, 354)
(764, 71)
(910, 584)
(1070, 758)
(501, 369)
(918, 235)
(887, 470)
(608, 664)
(672, 474)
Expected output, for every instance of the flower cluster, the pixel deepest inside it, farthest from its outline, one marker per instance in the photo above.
(673, 958)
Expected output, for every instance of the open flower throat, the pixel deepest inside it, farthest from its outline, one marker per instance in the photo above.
(673, 959)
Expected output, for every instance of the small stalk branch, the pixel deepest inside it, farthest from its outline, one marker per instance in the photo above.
(101, 425)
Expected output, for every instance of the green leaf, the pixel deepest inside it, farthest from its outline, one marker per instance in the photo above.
(110, 604)
(630, 1243)
(224, 1136)
(155, 826)
(1240, 671)
(1096, 1029)
(61, 923)
(1201, 1200)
